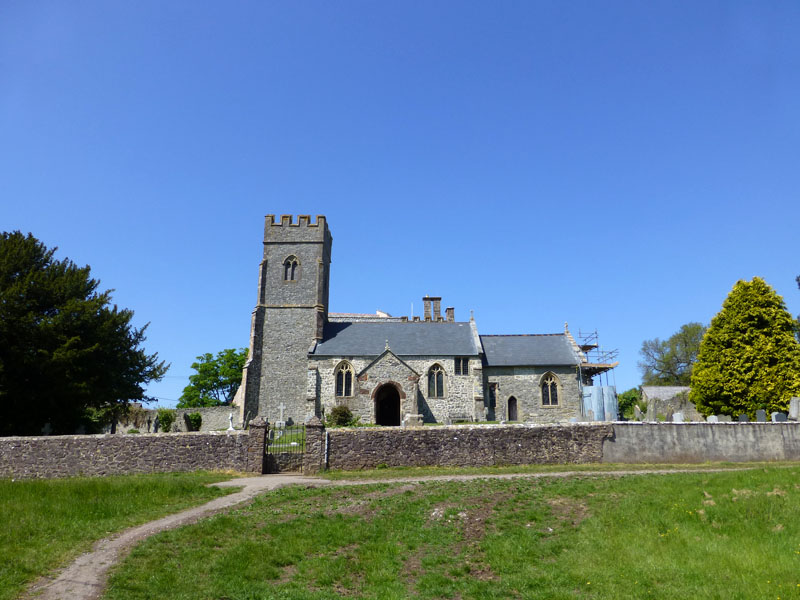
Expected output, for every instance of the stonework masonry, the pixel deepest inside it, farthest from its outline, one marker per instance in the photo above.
(524, 384)
(72, 455)
(463, 445)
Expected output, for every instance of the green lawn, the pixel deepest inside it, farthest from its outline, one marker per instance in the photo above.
(405, 472)
(733, 534)
(45, 523)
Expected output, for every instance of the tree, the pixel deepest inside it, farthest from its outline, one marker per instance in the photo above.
(670, 362)
(217, 379)
(67, 357)
(627, 400)
(749, 358)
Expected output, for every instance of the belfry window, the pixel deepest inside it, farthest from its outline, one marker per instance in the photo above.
(436, 382)
(291, 269)
(344, 380)
(550, 390)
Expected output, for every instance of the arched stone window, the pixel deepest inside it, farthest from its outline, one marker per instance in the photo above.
(550, 390)
(436, 382)
(291, 269)
(344, 380)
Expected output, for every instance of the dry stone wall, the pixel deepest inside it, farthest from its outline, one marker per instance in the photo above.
(463, 445)
(71, 455)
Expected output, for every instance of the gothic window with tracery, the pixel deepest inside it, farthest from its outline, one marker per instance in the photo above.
(344, 380)
(436, 382)
(550, 390)
(291, 269)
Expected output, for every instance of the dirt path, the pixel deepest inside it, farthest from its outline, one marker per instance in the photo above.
(85, 578)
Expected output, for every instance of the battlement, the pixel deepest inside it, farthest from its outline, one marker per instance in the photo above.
(302, 221)
(287, 230)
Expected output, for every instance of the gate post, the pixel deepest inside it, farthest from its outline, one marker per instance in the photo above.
(314, 457)
(256, 445)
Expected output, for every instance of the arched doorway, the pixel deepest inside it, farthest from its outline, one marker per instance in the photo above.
(512, 409)
(387, 406)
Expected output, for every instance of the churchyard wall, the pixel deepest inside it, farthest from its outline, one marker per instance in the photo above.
(118, 454)
(700, 442)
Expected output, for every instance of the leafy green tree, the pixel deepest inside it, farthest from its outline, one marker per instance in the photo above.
(67, 357)
(217, 379)
(670, 362)
(749, 358)
(627, 400)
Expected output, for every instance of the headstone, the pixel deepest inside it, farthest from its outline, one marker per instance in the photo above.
(677, 417)
(412, 421)
(712, 419)
(637, 413)
(668, 416)
(778, 417)
(280, 424)
(573, 419)
(724, 418)
(794, 409)
(761, 415)
(590, 415)
(156, 425)
(743, 418)
(230, 422)
(47, 429)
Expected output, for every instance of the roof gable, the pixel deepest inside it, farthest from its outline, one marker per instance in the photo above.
(388, 361)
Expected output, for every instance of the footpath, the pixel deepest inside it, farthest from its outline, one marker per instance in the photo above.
(86, 577)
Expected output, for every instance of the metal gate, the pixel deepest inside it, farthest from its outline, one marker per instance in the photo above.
(285, 447)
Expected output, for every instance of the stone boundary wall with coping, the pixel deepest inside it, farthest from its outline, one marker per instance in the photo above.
(701, 442)
(457, 446)
(106, 454)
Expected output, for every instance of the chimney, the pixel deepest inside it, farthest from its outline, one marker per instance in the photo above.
(451, 314)
(426, 301)
(437, 309)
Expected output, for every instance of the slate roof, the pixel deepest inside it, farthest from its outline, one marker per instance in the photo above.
(528, 350)
(405, 339)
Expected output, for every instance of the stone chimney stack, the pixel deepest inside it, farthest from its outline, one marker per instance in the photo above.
(437, 309)
(426, 301)
(451, 314)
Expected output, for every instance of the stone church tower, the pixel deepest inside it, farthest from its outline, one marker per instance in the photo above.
(289, 317)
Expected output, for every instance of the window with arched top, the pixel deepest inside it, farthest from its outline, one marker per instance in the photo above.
(550, 386)
(344, 380)
(291, 269)
(436, 382)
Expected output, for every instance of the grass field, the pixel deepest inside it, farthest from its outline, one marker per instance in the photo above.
(45, 523)
(732, 534)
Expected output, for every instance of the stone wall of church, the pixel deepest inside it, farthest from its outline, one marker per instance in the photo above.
(524, 383)
(457, 403)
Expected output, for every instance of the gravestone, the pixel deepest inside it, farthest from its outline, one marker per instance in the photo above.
(761, 415)
(637, 413)
(677, 417)
(778, 417)
(743, 418)
(712, 419)
(794, 409)
(668, 416)
(47, 429)
(573, 419)
(230, 422)
(724, 418)
(590, 415)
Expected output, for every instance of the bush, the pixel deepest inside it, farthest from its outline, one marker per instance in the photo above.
(341, 416)
(133, 431)
(166, 417)
(193, 421)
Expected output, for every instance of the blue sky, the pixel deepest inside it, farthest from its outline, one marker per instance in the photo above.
(616, 165)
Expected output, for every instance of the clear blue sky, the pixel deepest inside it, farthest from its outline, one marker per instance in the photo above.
(616, 165)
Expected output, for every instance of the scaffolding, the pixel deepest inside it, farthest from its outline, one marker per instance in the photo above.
(599, 361)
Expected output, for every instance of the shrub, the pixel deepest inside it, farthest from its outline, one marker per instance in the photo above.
(133, 431)
(341, 416)
(193, 421)
(166, 417)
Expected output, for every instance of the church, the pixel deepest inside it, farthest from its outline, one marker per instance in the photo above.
(390, 371)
